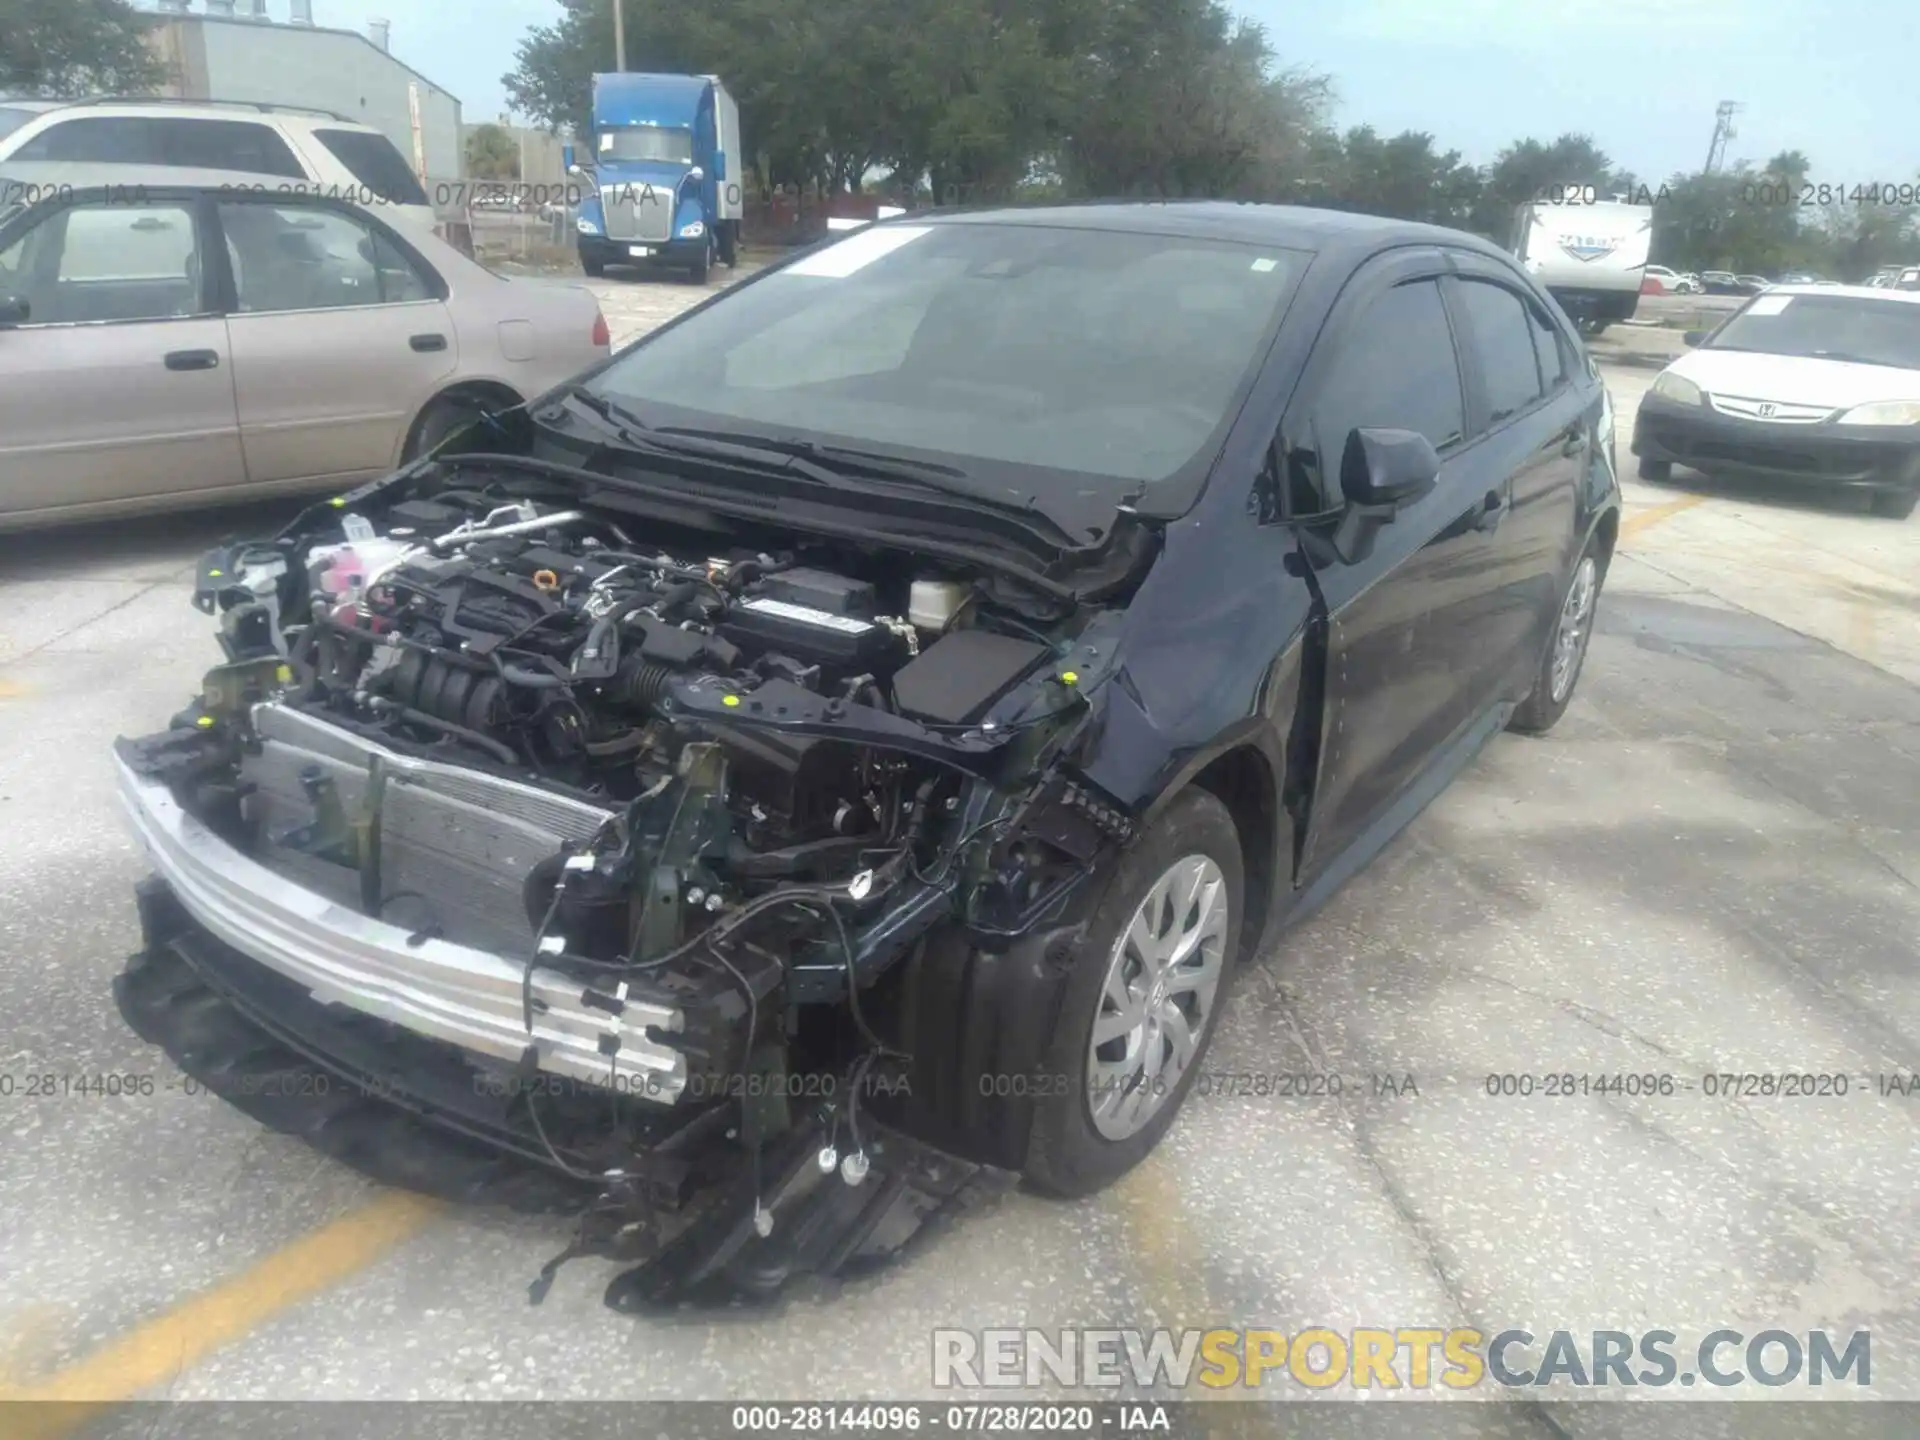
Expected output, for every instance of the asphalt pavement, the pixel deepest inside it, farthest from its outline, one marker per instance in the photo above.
(1711, 867)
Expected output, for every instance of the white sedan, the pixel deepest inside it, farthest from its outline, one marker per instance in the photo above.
(1815, 384)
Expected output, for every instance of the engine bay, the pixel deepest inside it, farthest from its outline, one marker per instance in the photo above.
(726, 769)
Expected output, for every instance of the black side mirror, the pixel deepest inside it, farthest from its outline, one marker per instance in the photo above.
(1382, 472)
(1693, 338)
(14, 310)
(1387, 468)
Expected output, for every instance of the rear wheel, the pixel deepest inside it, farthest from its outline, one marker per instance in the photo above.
(1660, 470)
(1142, 998)
(1566, 650)
(1895, 504)
(442, 419)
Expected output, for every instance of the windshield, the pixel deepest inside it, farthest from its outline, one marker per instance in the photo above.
(1837, 327)
(667, 143)
(1091, 351)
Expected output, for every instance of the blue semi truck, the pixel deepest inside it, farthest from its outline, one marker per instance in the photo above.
(664, 172)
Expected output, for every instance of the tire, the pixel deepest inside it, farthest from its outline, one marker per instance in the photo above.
(729, 247)
(1553, 686)
(1895, 504)
(595, 269)
(698, 271)
(1656, 470)
(1085, 1135)
(442, 418)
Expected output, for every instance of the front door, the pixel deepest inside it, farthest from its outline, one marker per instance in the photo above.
(1412, 627)
(118, 385)
(339, 339)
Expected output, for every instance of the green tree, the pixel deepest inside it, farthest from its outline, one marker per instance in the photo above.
(1529, 169)
(65, 48)
(1180, 98)
(1403, 177)
(492, 153)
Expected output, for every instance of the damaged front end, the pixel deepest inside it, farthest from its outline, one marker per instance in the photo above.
(523, 851)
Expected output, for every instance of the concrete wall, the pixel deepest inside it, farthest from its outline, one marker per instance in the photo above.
(338, 70)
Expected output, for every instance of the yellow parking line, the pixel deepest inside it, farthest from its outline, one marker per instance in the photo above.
(1646, 519)
(155, 1352)
(12, 689)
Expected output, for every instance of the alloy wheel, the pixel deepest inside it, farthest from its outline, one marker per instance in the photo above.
(1157, 998)
(1571, 634)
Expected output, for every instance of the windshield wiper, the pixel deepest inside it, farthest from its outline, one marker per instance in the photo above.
(843, 458)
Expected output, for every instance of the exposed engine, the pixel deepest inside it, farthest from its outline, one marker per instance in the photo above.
(726, 781)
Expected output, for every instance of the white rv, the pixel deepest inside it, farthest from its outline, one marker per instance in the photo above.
(1591, 255)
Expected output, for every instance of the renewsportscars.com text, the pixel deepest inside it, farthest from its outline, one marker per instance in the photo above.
(1401, 1357)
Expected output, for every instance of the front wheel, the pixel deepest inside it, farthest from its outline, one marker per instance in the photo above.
(1657, 470)
(1142, 999)
(698, 271)
(1566, 650)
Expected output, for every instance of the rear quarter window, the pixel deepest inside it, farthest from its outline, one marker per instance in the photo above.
(373, 161)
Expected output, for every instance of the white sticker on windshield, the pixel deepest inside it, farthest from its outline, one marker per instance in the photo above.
(1769, 304)
(1263, 265)
(836, 262)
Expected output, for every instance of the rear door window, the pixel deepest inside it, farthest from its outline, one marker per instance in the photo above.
(296, 257)
(374, 162)
(182, 142)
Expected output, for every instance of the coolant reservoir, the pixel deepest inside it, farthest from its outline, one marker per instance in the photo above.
(932, 604)
(340, 571)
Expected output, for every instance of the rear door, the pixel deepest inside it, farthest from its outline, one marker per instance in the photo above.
(119, 386)
(1412, 658)
(1533, 439)
(340, 335)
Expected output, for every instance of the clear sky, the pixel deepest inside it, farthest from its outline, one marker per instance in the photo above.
(1835, 78)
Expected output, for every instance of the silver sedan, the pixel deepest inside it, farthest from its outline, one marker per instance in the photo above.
(171, 340)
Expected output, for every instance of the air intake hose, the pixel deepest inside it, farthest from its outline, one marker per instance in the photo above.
(641, 683)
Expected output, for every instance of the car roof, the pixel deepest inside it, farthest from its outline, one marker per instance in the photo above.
(162, 107)
(1294, 227)
(29, 102)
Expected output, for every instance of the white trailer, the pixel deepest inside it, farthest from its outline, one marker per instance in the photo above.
(1589, 254)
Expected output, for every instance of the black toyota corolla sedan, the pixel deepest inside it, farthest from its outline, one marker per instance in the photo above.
(839, 753)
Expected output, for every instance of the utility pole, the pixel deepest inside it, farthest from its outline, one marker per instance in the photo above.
(1723, 131)
(619, 36)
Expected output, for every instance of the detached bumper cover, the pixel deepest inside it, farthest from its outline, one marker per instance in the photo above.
(1871, 457)
(456, 994)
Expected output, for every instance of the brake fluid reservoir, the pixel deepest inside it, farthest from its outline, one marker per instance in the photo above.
(933, 604)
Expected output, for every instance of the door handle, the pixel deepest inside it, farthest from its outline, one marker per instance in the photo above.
(1493, 509)
(1574, 441)
(193, 360)
(426, 343)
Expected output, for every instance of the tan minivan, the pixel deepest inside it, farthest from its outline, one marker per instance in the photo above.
(170, 339)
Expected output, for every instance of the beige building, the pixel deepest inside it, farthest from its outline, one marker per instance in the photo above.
(240, 51)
